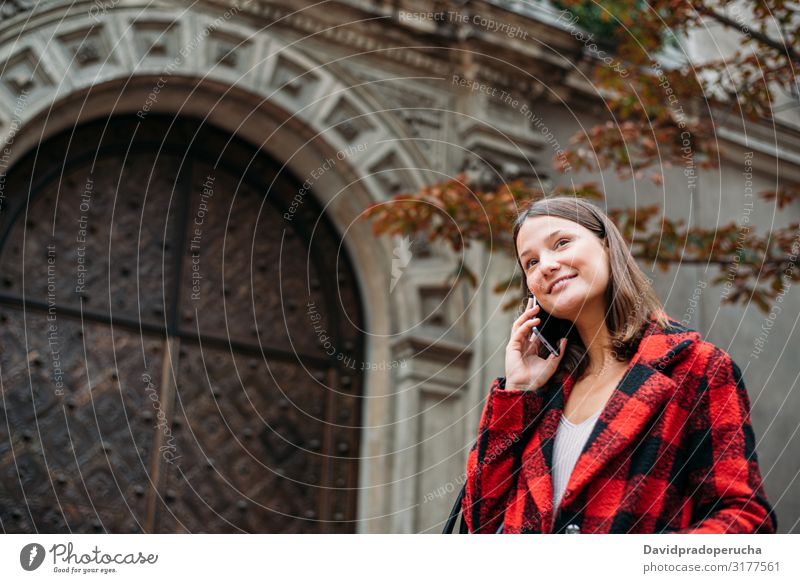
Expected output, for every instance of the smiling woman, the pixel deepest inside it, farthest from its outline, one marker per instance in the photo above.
(637, 425)
(576, 263)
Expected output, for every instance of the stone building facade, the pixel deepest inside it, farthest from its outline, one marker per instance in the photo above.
(341, 105)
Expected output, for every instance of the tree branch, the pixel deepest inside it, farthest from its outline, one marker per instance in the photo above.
(781, 47)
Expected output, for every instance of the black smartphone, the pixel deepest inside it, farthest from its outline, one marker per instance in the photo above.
(540, 336)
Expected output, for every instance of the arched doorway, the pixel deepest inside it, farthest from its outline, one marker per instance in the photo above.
(179, 339)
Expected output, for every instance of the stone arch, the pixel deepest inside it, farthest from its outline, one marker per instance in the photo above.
(252, 84)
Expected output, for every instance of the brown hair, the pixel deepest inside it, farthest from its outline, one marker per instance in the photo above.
(631, 301)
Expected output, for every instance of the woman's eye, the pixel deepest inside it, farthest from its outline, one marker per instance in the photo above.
(532, 261)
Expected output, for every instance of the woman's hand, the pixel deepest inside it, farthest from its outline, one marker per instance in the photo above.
(524, 368)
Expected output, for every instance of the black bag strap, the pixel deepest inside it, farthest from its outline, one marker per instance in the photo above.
(456, 510)
(454, 513)
(527, 433)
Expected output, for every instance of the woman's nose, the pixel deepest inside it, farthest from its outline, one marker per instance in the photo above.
(548, 264)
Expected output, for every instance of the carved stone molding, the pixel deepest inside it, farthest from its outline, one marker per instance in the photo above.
(348, 121)
(11, 8)
(22, 75)
(495, 155)
(88, 47)
(276, 97)
(156, 38)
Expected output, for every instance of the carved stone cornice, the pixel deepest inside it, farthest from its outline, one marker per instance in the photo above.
(11, 8)
(381, 30)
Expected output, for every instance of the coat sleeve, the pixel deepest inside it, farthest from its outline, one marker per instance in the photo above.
(724, 480)
(493, 462)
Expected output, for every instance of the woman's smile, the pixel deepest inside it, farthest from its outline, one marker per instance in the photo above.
(562, 284)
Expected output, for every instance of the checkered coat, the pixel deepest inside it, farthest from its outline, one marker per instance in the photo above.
(672, 451)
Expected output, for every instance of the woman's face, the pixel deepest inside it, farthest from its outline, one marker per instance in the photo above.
(551, 248)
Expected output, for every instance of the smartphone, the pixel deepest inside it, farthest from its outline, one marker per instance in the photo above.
(541, 337)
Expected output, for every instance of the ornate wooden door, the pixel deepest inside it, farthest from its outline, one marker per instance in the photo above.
(180, 339)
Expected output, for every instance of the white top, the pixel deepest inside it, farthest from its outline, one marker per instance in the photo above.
(567, 447)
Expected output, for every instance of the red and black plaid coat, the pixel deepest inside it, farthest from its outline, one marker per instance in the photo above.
(672, 451)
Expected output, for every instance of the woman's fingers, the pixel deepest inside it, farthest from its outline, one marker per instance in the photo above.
(521, 337)
(526, 327)
(520, 319)
(524, 316)
(562, 345)
(533, 345)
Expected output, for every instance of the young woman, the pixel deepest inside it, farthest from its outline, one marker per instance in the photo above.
(637, 426)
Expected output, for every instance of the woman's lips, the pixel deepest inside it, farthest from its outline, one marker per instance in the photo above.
(560, 285)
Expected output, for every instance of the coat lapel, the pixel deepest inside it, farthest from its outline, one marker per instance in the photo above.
(635, 401)
(538, 460)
